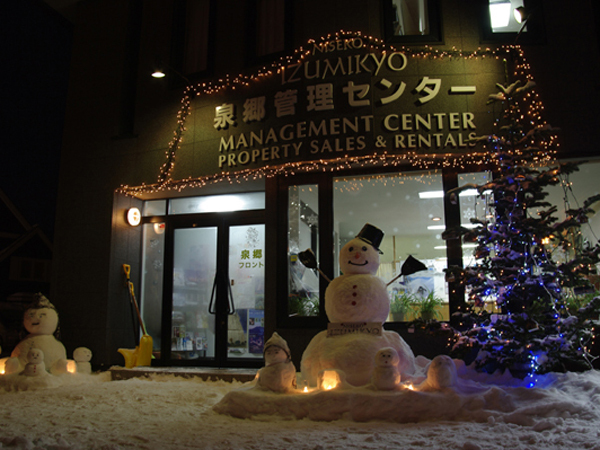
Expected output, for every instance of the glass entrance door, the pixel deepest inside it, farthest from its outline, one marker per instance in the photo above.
(217, 292)
(194, 276)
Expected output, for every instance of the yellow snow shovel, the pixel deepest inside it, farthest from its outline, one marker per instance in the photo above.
(142, 355)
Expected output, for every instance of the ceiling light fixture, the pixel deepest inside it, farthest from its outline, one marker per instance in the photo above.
(440, 194)
(443, 247)
(443, 227)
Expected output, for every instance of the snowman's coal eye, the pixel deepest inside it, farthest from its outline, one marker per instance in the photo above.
(351, 249)
(364, 249)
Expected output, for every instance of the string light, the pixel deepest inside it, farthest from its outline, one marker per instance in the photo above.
(423, 161)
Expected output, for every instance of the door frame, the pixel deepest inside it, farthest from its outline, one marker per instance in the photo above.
(222, 221)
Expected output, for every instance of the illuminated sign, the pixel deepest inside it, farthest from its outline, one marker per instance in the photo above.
(347, 98)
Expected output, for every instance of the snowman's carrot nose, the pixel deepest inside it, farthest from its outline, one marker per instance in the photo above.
(356, 255)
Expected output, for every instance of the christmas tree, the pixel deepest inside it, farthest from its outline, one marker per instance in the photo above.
(527, 264)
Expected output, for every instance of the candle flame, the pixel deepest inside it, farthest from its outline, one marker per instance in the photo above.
(330, 380)
(71, 367)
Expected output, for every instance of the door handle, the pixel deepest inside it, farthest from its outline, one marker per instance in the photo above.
(231, 304)
(211, 305)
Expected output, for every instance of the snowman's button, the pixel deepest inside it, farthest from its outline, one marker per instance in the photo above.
(354, 294)
(354, 287)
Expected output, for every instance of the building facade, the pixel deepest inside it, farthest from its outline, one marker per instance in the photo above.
(282, 126)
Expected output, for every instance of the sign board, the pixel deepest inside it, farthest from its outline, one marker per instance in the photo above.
(333, 102)
(340, 329)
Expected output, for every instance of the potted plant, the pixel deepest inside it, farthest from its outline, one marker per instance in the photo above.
(304, 306)
(428, 307)
(400, 306)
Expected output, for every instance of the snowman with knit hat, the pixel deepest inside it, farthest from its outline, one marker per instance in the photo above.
(41, 322)
(357, 305)
(279, 373)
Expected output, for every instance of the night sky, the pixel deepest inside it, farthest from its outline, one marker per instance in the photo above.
(35, 44)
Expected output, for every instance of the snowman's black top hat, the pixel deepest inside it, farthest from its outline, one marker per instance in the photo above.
(371, 235)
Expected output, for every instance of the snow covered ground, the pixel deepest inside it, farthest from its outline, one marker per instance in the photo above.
(168, 412)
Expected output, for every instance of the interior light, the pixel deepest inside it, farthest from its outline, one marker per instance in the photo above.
(158, 74)
(443, 227)
(440, 194)
(500, 13)
(431, 194)
(436, 218)
(222, 203)
(443, 247)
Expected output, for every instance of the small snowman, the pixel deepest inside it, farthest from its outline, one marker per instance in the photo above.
(41, 321)
(441, 374)
(279, 373)
(35, 366)
(356, 303)
(386, 376)
(82, 357)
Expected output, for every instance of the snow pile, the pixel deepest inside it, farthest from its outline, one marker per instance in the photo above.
(507, 399)
(168, 412)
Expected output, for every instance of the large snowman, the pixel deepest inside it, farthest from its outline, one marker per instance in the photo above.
(356, 304)
(41, 321)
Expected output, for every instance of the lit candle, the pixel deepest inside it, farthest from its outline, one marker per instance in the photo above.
(329, 380)
(71, 366)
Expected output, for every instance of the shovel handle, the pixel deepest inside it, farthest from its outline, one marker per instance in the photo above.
(127, 270)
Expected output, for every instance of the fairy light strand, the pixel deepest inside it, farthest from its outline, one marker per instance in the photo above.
(424, 161)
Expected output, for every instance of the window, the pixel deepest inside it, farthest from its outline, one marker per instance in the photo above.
(480, 207)
(571, 193)
(409, 209)
(269, 34)
(153, 248)
(217, 203)
(303, 234)
(474, 206)
(503, 18)
(29, 269)
(192, 39)
(514, 21)
(270, 27)
(407, 21)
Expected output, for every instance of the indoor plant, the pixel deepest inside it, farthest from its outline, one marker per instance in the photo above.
(428, 307)
(401, 304)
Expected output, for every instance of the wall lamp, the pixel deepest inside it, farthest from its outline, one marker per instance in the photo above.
(159, 73)
(522, 15)
(161, 70)
(133, 216)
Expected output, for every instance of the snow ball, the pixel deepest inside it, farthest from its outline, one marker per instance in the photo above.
(373, 438)
(543, 425)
